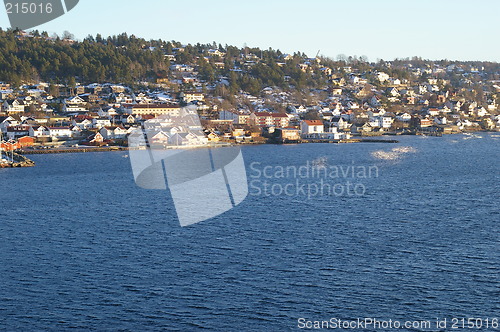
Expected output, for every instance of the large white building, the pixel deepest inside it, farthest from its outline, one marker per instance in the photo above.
(155, 109)
(236, 116)
(311, 128)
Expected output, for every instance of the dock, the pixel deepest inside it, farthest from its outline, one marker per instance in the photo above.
(17, 161)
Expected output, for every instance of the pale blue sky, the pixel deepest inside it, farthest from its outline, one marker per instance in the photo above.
(437, 29)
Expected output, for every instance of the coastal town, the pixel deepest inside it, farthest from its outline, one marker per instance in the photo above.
(349, 98)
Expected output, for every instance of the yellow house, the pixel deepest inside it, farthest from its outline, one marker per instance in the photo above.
(213, 137)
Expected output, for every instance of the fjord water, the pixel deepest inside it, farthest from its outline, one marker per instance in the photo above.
(81, 246)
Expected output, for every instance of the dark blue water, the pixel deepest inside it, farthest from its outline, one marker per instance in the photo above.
(82, 247)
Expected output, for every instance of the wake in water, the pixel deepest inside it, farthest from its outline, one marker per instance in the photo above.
(394, 154)
(383, 155)
(470, 136)
(405, 149)
(320, 162)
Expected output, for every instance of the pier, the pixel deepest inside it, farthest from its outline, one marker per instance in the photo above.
(16, 160)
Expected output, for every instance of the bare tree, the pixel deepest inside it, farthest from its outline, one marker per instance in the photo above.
(68, 35)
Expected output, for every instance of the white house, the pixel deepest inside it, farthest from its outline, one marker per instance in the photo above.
(74, 105)
(403, 116)
(376, 112)
(236, 116)
(75, 131)
(101, 122)
(7, 121)
(311, 128)
(333, 133)
(382, 77)
(440, 120)
(395, 81)
(187, 139)
(16, 132)
(215, 52)
(393, 92)
(39, 131)
(61, 132)
(181, 68)
(492, 106)
(188, 97)
(143, 98)
(433, 111)
(356, 80)
(299, 110)
(113, 132)
(352, 105)
(480, 112)
(83, 124)
(14, 106)
(381, 122)
(160, 138)
(122, 98)
(107, 112)
(387, 121)
(130, 119)
(342, 124)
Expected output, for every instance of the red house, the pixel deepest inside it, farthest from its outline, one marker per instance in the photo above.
(26, 141)
(9, 146)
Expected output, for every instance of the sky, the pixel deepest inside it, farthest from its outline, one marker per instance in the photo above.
(378, 29)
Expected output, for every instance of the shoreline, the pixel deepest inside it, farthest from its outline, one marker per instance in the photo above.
(124, 148)
(72, 150)
(365, 139)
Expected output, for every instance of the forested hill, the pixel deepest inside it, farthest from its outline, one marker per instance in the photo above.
(118, 59)
(127, 59)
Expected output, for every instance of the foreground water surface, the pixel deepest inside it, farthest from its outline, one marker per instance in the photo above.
(81, 246)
